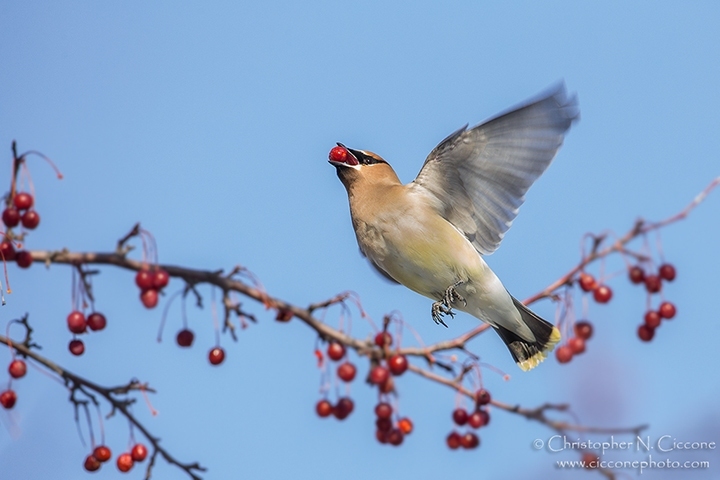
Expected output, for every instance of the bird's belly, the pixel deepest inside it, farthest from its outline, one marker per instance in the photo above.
(429, 259)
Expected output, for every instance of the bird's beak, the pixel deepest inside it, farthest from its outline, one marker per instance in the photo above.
(341, 156)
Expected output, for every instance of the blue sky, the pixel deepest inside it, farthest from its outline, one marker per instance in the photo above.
(211, 125)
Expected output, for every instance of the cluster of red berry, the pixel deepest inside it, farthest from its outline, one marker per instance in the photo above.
(653, 284)
(380, 375)
(151, 283)
(77, 323)
(125, 461)
(19, 210)
(341, 410)
(387, 432)
(16, 369)
(346, 371)
(575, 345)
(601, 292)
(480, 417)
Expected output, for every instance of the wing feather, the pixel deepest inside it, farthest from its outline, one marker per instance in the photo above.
(478, 177)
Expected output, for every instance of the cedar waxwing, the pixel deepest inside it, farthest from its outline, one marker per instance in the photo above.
(430, 235)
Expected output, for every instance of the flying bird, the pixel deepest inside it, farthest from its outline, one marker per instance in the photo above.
(432, 233)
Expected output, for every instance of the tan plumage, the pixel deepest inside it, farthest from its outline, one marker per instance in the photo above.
(430, 234)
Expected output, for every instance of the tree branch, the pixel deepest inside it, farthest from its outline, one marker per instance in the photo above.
(113, 396)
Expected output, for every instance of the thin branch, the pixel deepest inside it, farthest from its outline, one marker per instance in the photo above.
(77, 383)
(254, 290)
(641, 227)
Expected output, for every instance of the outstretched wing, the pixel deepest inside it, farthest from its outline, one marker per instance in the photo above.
(479, 176)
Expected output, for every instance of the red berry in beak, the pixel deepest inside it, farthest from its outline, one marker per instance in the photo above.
(338, 154)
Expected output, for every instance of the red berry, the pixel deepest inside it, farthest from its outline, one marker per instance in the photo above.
(7, 250)
(563, 354)
(383, 339)
(587, 282)
(76, 347)
(485, 416)
(338, 154)
(667, 272)
(23, 259)
(346, 371)
(460, 416)
(343, 408)
(96, 321)
(216, 356)
(160, 279)
(577, 345)
(482, 397)
(383, 410)
(336, 350)
(453, 440)
(387, 386)
(379, 375)
(11, 217)
(124, 462)
(284, 315)
(646, 333)
(405, 425)
(479, 418)
(667, 310)
(8, 399)
(602, 294)
(636, 274)
(23, 201)
(76, 322)
(381, 436)
(30, 219)
(323, 408)
(397, 364)
(395, 437)
(470, 440)
(139, 452)
(185, 337)
(653, 283)
(102, 453)
(475, 420)
(149, 298)
(383, 424)
(17, 368)
(583, 329)
(144, 279)
(652, 319)
(92, 463)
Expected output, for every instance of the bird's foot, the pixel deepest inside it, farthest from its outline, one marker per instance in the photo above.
(444, 307)
(439, 310)
(451, 295)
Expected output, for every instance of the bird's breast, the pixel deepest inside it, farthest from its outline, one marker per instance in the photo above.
(419, 249)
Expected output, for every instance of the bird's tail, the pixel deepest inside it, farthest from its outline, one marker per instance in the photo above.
(528, 355)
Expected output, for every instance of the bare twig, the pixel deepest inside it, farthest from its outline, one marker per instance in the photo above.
(113, 395)
(640, 227)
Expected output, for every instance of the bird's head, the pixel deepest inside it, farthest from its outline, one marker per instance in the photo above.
(355, 166)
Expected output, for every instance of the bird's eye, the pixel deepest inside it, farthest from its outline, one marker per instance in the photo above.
(369, 159)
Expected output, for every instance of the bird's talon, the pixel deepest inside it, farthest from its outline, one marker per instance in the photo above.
(438, 310)
(451, 295)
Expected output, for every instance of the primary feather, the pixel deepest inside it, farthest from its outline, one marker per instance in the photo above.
(479, 177)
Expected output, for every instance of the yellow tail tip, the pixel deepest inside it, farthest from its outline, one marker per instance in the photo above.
(535, 360)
